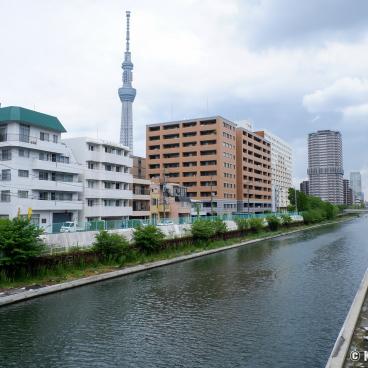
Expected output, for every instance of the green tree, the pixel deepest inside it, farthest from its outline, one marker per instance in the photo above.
(256, 224)
(202, 229)
(273, 222)
(111, 245)
(219, 226)
(19, 242)
(286, 220)
(242, 224)
(148, 238)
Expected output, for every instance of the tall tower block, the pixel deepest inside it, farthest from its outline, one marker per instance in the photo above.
(127, 94)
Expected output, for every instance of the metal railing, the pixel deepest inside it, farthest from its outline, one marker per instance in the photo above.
(67, 227)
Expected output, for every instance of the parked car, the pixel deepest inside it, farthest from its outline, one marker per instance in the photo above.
(165, 222)
(69, 227)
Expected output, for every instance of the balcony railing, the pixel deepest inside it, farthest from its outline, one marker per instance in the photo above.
(14, 137)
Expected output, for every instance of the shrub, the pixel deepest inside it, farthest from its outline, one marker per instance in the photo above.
(242, 224)
(202, 230)
(111, 245)
(273, 222)
(313, 216)
(286, 219)
(148, 238)
(19, 242)
(219, 227)
(255, 224)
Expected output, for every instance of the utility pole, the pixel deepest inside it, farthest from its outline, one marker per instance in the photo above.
(164, 195)
(296, 201)
(211, 197)
(248, 198)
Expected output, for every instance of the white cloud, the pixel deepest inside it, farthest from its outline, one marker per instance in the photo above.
(342, 95)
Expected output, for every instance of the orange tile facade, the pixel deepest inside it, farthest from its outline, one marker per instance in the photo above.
(253, 155)
(199, 154)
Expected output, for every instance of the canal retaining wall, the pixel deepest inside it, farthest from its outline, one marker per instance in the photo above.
(343, 341)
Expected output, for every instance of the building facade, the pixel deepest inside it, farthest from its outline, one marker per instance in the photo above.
(325, 166)
(172, 203)
(39, 175)
(107, 178)
(141, 190)
(356, 186)
(282, 167)
(348, 193)
(199, 154)
(304, 187)
(127, 94)
(253, 172)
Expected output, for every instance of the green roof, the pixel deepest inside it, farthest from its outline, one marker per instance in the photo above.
(20, 114)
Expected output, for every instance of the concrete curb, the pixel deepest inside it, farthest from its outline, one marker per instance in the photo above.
(14, 298)
(342, 344)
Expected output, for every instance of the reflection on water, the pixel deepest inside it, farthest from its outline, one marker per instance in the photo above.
(279, 303)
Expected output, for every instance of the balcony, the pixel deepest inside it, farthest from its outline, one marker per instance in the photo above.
(111, 158)
(108, 175)
(55, 166)
(20, 140)
(107, 211)
(107, 193)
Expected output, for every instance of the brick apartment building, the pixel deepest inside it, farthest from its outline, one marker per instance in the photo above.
(199, 154)
(253, 171)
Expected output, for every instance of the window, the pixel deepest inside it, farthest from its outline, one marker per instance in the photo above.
(43, 175)
(22, 152)
(23, 173)
(24, 133)
(43, 196)
(22, 193)
(5, 196)
(91, 183)
(5, 154)
(90, 202)
(3, 133)
(91, 165)
(5, 174)
(108, 167)
(55, 138)
(44, 136)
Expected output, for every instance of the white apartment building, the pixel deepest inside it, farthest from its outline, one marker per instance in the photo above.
(38, 173)
(107, 178)
(281, 170)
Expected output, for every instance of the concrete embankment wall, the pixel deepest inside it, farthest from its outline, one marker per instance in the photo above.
(343, 341)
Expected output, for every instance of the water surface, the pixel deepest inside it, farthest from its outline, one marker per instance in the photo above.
(278, 303)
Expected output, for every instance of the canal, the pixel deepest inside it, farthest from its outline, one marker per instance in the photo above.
(278, 303)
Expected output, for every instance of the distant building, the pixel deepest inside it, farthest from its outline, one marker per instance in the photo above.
(141, 190)
(348, 193)
(199, 154)
(281, 170)
(356, 186)
(325, 166)
(253, 172)
(39, 175)
(106, 176)
(304, 187)
(171, 202)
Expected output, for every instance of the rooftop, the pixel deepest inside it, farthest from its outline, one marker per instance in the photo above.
(20, 114)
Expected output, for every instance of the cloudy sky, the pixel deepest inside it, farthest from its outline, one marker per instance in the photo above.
(288, 66)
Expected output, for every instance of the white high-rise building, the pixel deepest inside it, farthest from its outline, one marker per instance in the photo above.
(325, 166)
(107, 178)
(127, 95)
(39, 175)
(356, 186)
(281, 170)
